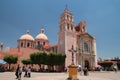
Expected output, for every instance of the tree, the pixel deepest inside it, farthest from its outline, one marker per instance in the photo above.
(38, 58)
(33, 58)
(11, 60)
(61, 59)
(54, 59)
(51, 59)
(26, 61)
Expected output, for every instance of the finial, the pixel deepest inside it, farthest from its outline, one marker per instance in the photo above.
(42, 30)
(1, 44)
(27, 32)
(66, 8)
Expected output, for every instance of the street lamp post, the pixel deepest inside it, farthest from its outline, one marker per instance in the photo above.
(72, 52)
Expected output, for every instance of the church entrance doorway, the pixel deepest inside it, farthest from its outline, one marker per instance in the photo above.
(87, 64)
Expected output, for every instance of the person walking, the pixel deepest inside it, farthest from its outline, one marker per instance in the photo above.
(29, 72)
(81, 72)
(17, 72)
(115, 67)
(85, 72)
(26, 72)
(20, 73)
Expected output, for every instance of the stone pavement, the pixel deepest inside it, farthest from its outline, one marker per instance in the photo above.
(63, 76)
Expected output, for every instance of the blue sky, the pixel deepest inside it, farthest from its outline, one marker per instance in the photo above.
(102, 17)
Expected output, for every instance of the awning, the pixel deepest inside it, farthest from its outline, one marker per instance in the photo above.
(2, 62)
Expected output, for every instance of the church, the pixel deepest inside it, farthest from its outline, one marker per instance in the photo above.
(69, 36)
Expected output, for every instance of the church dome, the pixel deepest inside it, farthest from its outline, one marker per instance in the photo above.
(26, 36)
(41, 35)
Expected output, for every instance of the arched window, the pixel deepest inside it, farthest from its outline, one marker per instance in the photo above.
(71, 27)
(85, 47)
(68, 26)
(43, 43)
(38, 43)
(67, 16)
(28, 44)
(22, 44)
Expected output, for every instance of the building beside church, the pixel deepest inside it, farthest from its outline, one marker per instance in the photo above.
(69, 35)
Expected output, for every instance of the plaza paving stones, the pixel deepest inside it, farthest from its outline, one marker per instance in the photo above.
(63, 76)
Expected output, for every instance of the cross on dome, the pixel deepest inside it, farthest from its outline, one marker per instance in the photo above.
(42, 30)
(27, 32)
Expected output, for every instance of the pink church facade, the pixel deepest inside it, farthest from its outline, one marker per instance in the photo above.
(83, 43)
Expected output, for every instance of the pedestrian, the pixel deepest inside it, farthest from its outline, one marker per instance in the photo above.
(29, 72)
(85, 71)
(17, 72)
(115, 67)
(26, 71)
(81, 71)
(65, 69)
(20, 72)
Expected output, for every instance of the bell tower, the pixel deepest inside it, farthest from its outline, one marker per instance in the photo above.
(66, 21)
(66, 34)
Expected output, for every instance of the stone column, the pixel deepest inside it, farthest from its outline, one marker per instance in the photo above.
(95, 51)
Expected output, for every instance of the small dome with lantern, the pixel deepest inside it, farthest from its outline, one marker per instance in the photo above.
(41, 35)
(26, 36)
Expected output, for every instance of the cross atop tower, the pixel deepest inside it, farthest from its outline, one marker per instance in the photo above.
(66, 8)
